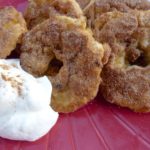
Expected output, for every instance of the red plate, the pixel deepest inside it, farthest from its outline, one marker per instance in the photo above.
(98, 126)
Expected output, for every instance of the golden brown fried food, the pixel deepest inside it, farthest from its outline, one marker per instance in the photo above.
(40, 10)
(93, 9)
(102, 6)
(126, 77)
(76, 54)
(12, 26)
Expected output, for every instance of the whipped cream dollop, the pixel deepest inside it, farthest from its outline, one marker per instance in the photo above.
(25, 113)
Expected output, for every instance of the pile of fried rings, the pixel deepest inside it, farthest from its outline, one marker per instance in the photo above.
(83, 47)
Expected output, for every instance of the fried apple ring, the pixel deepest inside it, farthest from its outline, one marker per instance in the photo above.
(102, 6)
(76, 54)
(93, 9)
(40, 10)
(126, 77)
(12, 26)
